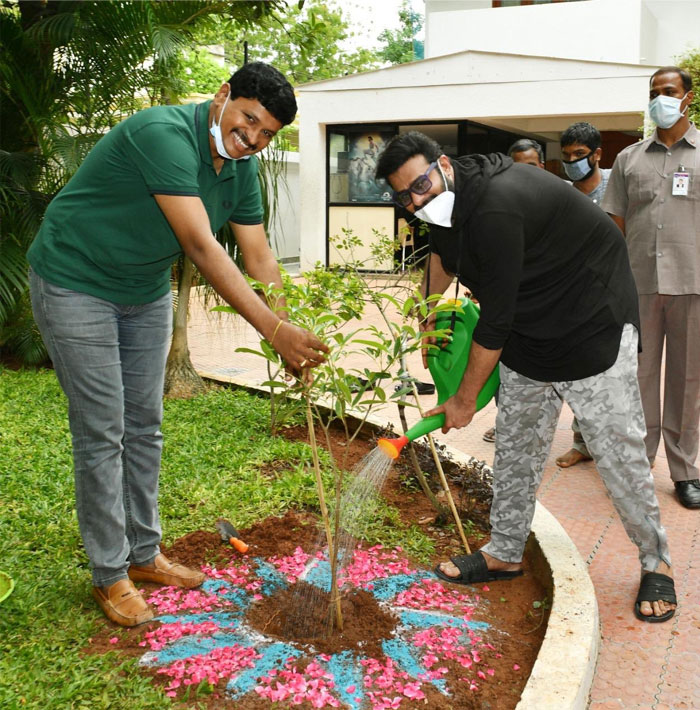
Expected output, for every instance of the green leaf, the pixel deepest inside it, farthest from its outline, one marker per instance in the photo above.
(275, 384)
(250, 351)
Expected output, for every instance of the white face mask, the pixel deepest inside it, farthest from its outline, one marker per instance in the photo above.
(665, 111)
(439, 210)
(215, 130)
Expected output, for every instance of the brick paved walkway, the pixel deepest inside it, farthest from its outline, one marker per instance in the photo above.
(640, 666)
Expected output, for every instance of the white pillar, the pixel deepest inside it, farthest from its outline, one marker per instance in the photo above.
(312, 185)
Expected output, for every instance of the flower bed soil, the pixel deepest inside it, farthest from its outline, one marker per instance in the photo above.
(488, 673)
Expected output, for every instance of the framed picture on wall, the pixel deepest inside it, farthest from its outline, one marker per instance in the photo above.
(364, 149)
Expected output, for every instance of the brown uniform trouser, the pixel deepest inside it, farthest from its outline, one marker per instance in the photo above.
(675, 322)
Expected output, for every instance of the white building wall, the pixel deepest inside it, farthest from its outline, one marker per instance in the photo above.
(602, 30)
(312, 186)
(677, 29)
(284, 229)
(652, 32)
(649, 31)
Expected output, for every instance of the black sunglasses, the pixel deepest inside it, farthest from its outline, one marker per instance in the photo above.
(419, 186)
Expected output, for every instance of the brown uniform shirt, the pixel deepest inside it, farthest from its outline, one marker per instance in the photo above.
(661, 228)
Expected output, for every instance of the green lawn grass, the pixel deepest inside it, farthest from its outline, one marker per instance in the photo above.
(214, 448)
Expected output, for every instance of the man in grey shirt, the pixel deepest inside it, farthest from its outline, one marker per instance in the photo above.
(581, 153)
(654, 197)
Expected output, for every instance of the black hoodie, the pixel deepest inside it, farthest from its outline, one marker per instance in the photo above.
(550, 269)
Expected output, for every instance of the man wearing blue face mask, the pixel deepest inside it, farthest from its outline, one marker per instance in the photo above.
(581, 152)
(559, 316)
(160, 183)
(654, 197)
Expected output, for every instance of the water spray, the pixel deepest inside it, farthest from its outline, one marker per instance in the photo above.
(447, 365)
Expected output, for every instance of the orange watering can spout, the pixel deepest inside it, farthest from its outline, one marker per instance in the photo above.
(392, 447)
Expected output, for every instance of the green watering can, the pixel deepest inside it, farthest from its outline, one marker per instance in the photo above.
(447, 366)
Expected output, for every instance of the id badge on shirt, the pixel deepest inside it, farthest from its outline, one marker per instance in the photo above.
(681, 183)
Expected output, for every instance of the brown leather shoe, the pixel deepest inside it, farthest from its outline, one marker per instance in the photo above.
(168, 573)
(122, 603)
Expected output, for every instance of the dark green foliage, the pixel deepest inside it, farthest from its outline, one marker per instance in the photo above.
(400, 45)
(69, 71)
(690, 61)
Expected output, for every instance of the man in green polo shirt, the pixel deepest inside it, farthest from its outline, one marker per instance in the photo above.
(158, 184)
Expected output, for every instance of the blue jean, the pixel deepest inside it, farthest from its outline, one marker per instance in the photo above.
(110, 361)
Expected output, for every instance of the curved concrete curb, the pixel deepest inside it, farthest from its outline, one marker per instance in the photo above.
(562, 676)
(563, 672)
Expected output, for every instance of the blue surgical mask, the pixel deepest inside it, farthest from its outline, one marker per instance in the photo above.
(665, 111)
(577, 170)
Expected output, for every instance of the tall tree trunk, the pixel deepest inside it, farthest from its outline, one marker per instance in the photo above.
(181, 379)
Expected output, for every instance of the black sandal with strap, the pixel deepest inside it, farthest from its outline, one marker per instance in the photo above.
(655, 587)
(473, 569)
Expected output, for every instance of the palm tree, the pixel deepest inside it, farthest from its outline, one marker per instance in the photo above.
(69, 71)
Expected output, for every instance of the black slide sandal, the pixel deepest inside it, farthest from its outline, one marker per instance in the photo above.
(473, 569)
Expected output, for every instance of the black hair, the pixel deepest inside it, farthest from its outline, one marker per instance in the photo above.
(520, 146)
(684, 75)
(582, 133)
(267, 85)
(402, 148)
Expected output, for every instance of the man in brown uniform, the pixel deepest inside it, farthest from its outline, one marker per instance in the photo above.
(654, 197)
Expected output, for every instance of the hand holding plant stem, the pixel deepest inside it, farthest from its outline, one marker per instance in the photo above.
(299, 348)
(327, 302)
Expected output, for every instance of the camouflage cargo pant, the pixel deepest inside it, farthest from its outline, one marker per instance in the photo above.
(578, 443)
(609, 412)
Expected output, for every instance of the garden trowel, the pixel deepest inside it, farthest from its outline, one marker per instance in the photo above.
(230, 534)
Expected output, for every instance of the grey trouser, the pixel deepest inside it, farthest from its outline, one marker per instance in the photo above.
(609, 412)
(110, 361)
(674, 320)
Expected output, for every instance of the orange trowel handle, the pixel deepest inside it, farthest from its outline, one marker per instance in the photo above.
(239, 544)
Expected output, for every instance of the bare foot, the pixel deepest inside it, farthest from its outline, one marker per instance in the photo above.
(660, 607)
(571, 458)
(491, 562)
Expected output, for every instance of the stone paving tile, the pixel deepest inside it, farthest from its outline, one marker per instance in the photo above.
(584, 533)
(641, 666)
(577, 489)
(627, 674)
(680, 683)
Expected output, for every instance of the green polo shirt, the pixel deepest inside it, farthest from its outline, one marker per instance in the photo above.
(104, 233)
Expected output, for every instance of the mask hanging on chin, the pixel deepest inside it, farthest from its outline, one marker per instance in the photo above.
(439, 210)
(215, 131)
(665, 111)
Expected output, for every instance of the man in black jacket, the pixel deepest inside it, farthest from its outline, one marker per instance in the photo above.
(559, 311)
